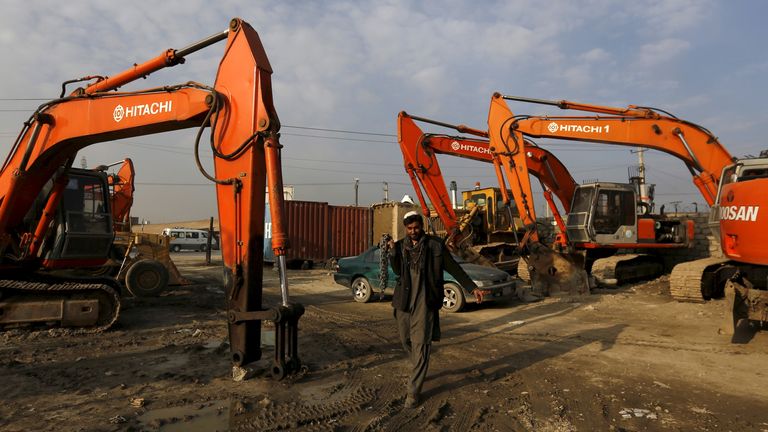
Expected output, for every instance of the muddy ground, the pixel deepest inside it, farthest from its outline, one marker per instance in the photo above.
(628, 359)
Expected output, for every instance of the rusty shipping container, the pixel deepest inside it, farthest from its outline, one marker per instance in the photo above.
(351, 230)
(318, 231)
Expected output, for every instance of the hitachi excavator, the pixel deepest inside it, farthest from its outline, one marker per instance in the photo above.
(732, 187)
(419, 150)
(244, 128)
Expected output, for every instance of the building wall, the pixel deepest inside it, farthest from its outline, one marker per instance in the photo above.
(705, 243)
(388, 219)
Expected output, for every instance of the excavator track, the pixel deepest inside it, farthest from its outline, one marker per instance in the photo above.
(90, 306)
(685, 282)
(619, 269)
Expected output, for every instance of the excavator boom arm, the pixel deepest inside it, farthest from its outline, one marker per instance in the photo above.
(699, 150)
(509, 157)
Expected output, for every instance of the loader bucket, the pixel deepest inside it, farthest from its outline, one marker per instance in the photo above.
(154, 247)
(554, 273)
(157, 247)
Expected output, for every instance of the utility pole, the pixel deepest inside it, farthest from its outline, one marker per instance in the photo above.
(357, 186)
(642, 186)
(386, 192)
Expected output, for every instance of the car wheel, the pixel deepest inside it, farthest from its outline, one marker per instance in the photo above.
(146, 278)
(361, 290)
(453, 298)
(176, 248)
(203, 248)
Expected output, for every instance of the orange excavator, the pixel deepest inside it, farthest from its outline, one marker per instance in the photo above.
(732, 187)
(244, 140)
(604, 217)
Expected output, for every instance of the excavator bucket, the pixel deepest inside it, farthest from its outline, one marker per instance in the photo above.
(744, 304)
(472, 256)
(554, 273)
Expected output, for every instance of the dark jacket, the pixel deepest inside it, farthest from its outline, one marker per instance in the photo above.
(437, 260)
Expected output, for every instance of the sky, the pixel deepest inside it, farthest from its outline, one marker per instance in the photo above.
(353, 65)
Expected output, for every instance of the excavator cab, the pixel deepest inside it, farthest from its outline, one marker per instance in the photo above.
(603, 213)
(83, 221)
(610, 214)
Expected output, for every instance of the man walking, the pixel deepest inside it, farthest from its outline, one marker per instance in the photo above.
(418, 260)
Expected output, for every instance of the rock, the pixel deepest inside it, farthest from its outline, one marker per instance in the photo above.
(241, 373)
(238, 407)
(118, 419)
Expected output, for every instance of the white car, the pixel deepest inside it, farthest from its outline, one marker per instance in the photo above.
(190, 239)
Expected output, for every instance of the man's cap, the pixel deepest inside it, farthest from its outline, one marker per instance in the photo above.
(409, 214)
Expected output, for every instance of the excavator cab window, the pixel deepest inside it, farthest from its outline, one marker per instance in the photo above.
(478, 199)
(753, 173)
(502, 217)
(578, 218)
(84, 218)
(613, 209)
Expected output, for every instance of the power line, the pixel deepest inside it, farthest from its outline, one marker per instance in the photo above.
(25, 99)
(340, 131)
(286, 183)
(339, 138)
(207, 156)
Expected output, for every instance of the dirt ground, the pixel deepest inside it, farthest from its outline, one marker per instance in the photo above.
(628, 359)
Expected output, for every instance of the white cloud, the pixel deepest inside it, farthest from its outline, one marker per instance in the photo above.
(668, 17)
(595, 55)
(660, 52)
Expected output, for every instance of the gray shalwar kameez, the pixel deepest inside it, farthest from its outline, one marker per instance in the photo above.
(416, 325)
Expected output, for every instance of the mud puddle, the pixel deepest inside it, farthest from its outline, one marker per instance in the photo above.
(210, 416)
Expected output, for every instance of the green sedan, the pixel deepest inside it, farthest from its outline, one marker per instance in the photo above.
(361, 274)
